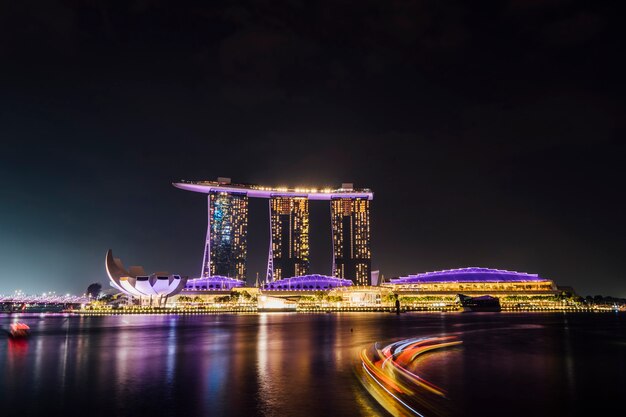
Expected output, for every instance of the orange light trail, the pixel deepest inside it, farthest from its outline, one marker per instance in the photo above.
(388, 368)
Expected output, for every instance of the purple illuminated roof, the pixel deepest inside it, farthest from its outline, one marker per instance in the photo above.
(308, 282)
(468, 275)
(215, 283)
(268, 192)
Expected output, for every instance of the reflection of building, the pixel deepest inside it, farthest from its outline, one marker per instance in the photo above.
(352, 256)
(226, 246)
(136, 283)
(289, 247)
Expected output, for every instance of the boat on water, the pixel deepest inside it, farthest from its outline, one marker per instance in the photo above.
(482, 303)
(19, 330)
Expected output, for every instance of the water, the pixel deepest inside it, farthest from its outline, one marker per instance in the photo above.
(304, 365)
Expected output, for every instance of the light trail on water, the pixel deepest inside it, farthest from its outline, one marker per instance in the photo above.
(388, 374)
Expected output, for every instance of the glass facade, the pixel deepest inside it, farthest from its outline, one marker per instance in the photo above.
(352, 255)
(289, 246)
(225, 249)
(226, 244)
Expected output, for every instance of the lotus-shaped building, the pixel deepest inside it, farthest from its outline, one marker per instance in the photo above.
(136, 283)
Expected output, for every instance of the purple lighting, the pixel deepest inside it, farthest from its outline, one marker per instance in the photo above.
(256, 191)
(472, 274)
(213, 283)
(308, 282)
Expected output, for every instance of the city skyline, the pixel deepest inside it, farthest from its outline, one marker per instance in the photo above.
(242, 199)
(491, 133)
(340, 208)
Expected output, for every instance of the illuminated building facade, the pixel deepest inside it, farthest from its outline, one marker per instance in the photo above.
(352, 255)
(226, 248)
(289, 247)
(514, 290)
(313, 282)
(212, 283)
(474, 281)
(226, 242)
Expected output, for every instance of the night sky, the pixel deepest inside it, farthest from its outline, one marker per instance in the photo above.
(491, 135)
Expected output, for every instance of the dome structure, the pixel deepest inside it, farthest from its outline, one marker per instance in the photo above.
(472, 274)
(474, 281)
(313, 282)
(136, 283)
(213, 283)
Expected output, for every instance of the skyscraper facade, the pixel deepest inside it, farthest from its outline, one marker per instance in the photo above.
(226, 245)
(352, 255)
(289, 246)
(226, 242)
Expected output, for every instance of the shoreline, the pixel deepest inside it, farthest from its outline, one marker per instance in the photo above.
(196, 312)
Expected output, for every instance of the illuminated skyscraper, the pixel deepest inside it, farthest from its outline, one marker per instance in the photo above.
(352, 255)
(289, 246)
(226, 245)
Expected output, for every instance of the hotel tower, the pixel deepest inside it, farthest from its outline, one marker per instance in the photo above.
(352, 255)
(225, 249)
(226, 244)
(289, 246)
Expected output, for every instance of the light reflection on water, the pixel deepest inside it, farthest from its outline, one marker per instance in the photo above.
(298, 364)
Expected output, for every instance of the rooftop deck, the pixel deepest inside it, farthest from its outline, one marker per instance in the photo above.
(257, 191)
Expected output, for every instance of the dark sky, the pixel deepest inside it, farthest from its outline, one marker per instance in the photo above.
(492, 134)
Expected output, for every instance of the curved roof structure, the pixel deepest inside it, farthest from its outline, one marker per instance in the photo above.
(307, 282)
(268, 192)
(472, 274)
(215, 282)
(144, 285)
